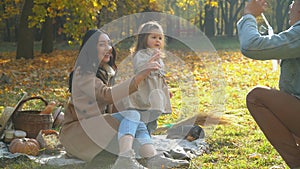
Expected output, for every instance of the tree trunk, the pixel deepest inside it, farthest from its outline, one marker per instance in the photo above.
(201, 25)
(25, 34)
(229, 29)
(47, 36)
(230, 11)
(209, 21)
(7, 36)
(279, 16)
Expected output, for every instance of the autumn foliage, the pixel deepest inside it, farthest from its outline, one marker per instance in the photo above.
(191, 83)
(47, 75)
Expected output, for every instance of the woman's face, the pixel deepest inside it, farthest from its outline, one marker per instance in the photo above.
(294, 13)
(104, 48)
(155, 39)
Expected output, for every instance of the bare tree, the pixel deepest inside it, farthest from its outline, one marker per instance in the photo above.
(230, 10)
(25, 39)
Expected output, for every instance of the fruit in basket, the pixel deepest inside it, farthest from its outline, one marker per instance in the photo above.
(48, 140)
(49, 108)
(27, 146)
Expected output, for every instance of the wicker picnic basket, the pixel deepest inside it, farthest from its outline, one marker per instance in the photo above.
(31, 121)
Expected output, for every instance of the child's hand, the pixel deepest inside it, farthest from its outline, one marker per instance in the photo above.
(159, 52)
(151, 65)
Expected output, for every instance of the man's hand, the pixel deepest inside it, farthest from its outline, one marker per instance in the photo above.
(255, 7)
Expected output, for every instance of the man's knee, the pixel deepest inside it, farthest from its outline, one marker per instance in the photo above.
(255, 94)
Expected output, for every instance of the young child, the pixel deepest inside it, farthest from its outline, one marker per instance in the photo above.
(153, 96)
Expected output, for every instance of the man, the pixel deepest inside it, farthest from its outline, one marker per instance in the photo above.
(277, 112)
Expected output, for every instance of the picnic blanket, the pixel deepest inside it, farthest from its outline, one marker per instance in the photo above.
(161, 143)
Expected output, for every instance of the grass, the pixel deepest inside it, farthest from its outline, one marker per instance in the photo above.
(237, 144)
(225, 43)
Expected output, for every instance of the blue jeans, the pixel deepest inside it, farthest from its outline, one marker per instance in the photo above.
(131, 124)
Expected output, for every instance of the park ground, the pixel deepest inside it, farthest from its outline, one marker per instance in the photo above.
(235, 142)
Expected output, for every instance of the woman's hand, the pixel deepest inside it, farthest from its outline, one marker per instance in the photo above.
(151, 65)
(255, 7)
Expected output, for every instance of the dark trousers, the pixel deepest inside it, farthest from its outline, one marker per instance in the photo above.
(278, 116)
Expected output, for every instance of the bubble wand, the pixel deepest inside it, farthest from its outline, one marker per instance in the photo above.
(270, 33)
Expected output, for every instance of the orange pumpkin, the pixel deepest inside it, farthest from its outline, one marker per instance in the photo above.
(27, 146)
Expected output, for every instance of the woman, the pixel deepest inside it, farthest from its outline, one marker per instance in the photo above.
(90, 126)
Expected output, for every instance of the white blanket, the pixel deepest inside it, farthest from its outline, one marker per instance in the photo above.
(192, 149)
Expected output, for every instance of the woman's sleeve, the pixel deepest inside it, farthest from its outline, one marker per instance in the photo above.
(110, 95)
(93, 87)
(263, 47)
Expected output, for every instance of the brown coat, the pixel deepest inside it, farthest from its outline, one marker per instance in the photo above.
(88, 128)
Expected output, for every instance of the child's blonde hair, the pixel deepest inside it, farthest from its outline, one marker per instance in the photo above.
(143, 33)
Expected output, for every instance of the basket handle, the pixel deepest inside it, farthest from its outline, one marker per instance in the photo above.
(30, 98)
(56, 117)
